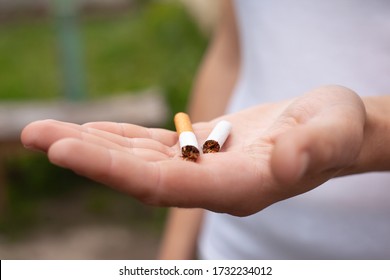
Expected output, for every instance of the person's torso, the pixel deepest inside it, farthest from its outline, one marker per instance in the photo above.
(288, 48)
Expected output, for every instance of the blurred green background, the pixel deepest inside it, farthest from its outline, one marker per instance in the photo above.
(141, 45)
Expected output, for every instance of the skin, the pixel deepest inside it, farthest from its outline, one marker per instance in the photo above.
(275, 151)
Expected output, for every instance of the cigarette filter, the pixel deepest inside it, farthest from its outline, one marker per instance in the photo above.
(187, 139)
(217, 137)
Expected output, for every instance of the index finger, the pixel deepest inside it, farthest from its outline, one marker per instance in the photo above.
(164, 136)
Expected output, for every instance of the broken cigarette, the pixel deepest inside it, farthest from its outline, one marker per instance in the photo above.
(187, 139)
(217, 137)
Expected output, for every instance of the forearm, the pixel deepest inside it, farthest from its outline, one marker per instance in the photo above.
(181, 232)
(218, 73)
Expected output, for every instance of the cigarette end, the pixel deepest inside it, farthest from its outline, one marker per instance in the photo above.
(187, 139)
(190, 153)
(211, 146)
(217, 137)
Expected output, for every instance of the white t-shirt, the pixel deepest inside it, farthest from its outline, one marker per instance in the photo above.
(289, 47)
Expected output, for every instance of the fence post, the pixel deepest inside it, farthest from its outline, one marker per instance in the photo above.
(66, 16)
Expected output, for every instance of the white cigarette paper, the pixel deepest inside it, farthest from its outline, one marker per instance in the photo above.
(220, 133)
(188, 138)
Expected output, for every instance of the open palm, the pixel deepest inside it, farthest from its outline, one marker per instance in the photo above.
(274, 151)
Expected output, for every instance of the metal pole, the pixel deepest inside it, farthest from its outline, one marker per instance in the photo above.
(66, 14)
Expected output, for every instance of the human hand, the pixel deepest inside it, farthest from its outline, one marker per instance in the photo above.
(275, 151)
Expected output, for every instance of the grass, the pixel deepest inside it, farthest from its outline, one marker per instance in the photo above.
(154, 45)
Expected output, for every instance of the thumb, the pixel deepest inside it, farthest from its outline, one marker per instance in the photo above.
(313, 148)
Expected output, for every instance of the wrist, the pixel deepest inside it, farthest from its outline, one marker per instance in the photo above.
(375, 151)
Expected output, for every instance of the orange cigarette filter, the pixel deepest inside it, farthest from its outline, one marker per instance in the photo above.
(182, 123)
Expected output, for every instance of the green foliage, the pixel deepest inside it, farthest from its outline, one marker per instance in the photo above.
(156, 44)
(28, 67)
(32, 180)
